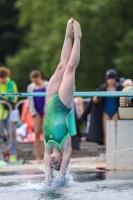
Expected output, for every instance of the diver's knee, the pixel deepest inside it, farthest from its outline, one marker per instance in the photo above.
(70, 67)
(61, 66)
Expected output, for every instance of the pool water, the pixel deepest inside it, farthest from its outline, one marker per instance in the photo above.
(29, 185)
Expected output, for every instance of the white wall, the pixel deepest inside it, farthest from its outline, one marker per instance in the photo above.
(119, 148)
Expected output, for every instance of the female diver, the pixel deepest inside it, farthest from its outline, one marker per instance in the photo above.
(59, 101)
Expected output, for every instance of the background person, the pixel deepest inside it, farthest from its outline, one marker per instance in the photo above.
(103, 109)
(8, 86)
(122, 79)
(127, 82)
(37, 107)
(71, 119)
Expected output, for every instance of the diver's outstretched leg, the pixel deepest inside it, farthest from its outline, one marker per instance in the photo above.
(56, 79)
(66, 89)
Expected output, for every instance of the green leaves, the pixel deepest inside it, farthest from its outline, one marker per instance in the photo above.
(106, 43)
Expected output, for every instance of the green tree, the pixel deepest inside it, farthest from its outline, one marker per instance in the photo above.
(107, 33)
(10, 36)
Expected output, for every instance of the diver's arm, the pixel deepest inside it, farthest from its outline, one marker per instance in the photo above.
(66, 155)
(48, 169)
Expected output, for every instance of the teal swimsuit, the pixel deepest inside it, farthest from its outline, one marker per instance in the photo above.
(55, 126)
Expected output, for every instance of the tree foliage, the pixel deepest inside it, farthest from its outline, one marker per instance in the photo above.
(106, 43)
(10, 35)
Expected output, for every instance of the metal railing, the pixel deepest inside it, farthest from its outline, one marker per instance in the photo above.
(6, 147)
(76, 94)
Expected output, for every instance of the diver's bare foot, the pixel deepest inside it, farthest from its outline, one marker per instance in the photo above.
(69, 29)
(77, 29)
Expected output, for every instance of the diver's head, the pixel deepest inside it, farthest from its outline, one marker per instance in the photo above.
(56, 158)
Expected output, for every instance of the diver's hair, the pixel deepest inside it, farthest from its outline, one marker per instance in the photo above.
(35, 74)
(57, 169)
(4, 72)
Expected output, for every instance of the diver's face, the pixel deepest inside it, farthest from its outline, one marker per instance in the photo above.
(3, 80)
(55, 159)
(111, 81)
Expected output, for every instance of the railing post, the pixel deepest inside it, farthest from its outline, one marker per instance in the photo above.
(10, 130)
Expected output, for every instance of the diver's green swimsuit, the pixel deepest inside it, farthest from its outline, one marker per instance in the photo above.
(55, 126)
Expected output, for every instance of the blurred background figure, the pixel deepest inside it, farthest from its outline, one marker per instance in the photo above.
(122, 79)
(79, 109)
(37, 107)
(110, 104)
(71, 119)
(127, 82)
(79, 106)
(8, 86)
(26, 116)
(103, 109)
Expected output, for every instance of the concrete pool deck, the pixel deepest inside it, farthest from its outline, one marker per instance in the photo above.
(81, 164)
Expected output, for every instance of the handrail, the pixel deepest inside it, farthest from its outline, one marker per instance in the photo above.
(76, 94)
(19, 103)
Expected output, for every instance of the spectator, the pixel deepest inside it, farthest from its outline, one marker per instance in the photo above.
(103, 109)
(71, 120)
(37, 107)
(127, 82)
(7, 86)
(122, 79)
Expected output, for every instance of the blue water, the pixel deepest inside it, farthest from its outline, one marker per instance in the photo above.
(29, 185)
